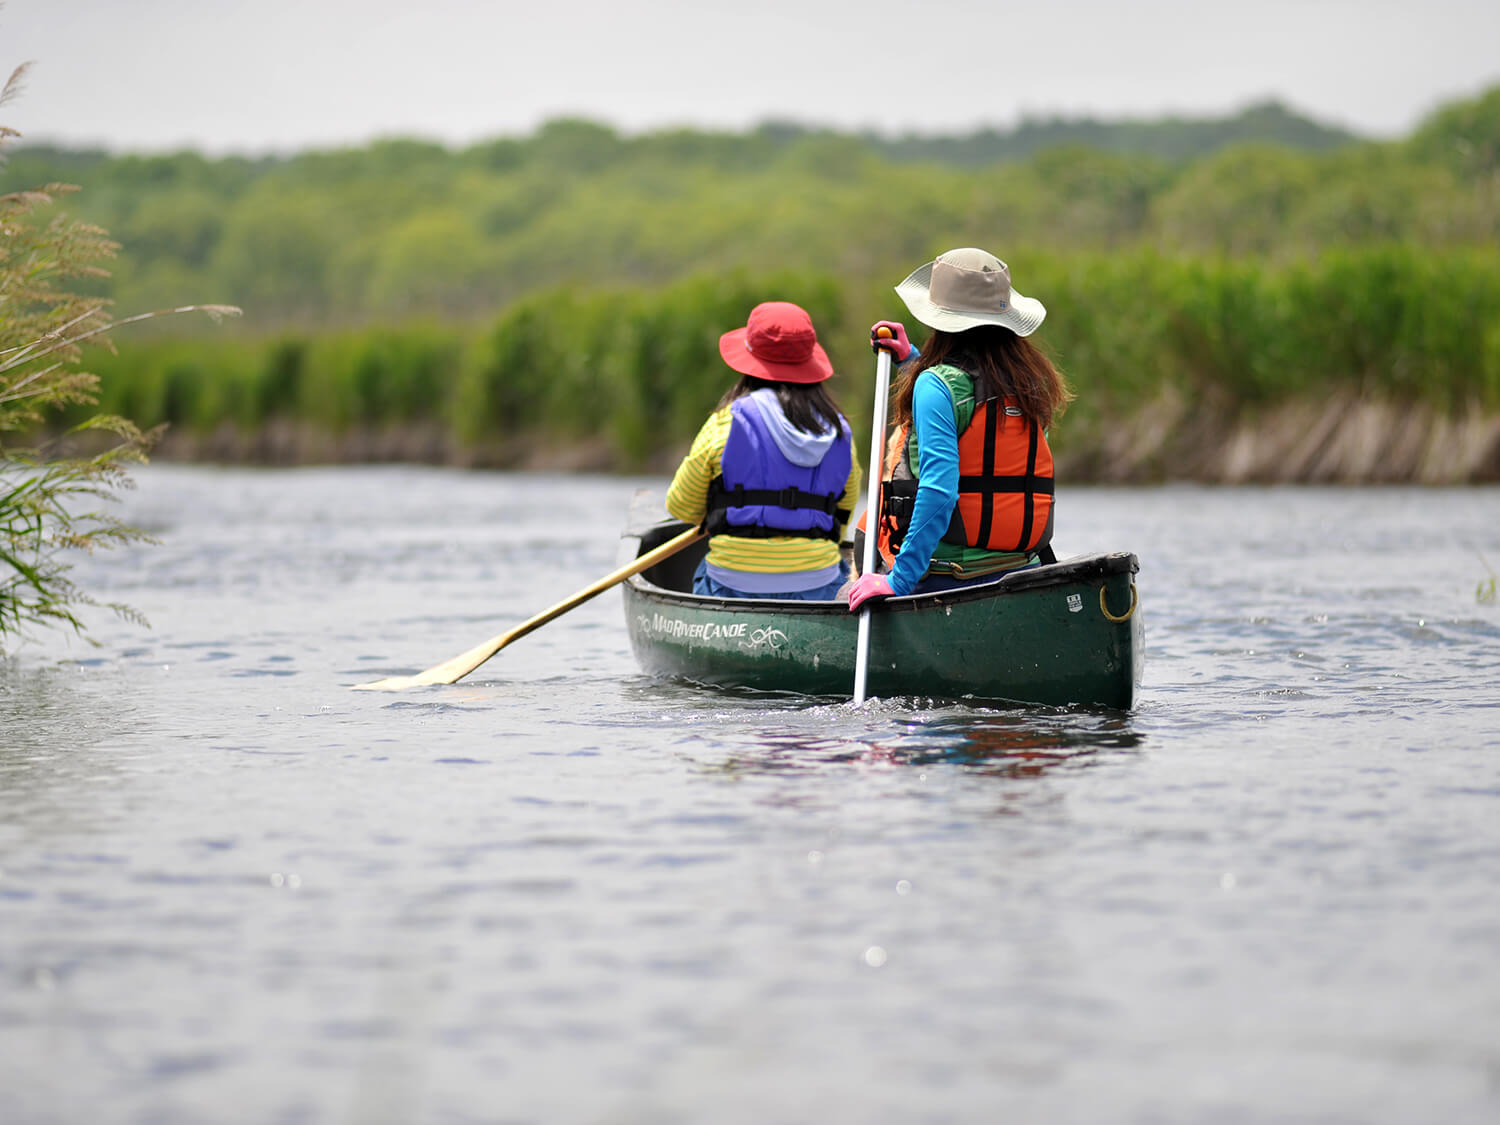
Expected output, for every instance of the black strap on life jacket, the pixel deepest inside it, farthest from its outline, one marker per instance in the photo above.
(898, 499)
(1028, 484)
(721, 499)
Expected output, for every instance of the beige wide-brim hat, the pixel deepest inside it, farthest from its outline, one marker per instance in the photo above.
(966, 288)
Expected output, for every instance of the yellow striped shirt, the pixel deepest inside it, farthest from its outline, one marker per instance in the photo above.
(687, 500)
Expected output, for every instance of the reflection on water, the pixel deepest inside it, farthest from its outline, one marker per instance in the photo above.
(59, 733)
(1015, 744)
(1027, 742)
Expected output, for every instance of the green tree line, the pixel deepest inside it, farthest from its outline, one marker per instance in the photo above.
(571, 285)
(403, 227)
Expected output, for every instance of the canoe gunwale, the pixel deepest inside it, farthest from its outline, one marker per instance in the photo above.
(1081, 569)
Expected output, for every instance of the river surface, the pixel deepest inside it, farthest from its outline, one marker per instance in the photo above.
(234, 890)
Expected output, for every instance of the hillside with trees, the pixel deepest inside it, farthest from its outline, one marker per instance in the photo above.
(405, 299)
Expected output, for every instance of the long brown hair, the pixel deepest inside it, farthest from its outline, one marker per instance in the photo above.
(1003, 365)
(807, 406)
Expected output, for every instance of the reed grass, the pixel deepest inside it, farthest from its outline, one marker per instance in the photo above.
(639, 367)
(62, 460)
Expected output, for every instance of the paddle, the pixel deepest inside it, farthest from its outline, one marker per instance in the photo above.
(872, 512)
(460, 666)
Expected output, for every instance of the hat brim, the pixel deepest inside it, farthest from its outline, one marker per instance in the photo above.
(814, 369)
(1023, 316)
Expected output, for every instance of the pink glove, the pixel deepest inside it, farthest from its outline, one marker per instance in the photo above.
(896, 343)
(868, 586)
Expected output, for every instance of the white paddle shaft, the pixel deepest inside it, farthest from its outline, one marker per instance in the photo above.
(872, 515)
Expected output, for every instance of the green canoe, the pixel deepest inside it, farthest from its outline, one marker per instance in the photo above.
(1060, 634)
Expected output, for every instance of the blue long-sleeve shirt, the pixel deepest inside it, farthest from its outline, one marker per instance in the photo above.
(937, 484)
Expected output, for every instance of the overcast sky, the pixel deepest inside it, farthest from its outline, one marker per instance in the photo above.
(258, 76)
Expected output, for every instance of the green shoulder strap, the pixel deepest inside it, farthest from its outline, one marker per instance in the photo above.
(961, 387)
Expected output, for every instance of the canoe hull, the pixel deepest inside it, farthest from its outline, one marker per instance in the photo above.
(1039, 636)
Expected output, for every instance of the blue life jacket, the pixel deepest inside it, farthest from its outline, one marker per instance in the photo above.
(759, 494)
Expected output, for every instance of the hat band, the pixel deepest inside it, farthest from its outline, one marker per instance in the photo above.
(981, 291)
(781, 351)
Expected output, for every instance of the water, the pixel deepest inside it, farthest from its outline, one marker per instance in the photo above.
(233, 890)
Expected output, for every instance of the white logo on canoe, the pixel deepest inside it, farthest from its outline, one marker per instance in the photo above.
(1075, 603)
(678, 629)
(772, 639)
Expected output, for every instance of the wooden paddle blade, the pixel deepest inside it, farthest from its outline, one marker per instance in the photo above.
(451, 671)
(448, 672)
(395, 683)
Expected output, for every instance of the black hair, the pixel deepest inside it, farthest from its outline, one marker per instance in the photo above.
(807, 406)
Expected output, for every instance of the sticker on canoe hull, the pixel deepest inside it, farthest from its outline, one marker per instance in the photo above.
(769, 638)
(675, 628)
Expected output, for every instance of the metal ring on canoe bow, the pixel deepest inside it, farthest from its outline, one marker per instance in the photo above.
(1104, 609)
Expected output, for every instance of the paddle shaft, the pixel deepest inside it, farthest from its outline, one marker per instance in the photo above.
(643, 562)
(451, 671)
(872, 515)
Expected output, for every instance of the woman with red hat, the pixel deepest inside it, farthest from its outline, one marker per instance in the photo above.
(771, 475)
(970, 491)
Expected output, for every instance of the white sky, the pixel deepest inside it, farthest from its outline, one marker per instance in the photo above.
(280, 75)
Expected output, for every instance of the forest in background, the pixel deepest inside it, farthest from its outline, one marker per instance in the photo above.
(556, 298)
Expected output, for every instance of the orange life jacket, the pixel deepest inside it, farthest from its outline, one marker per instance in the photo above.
(1005, 483)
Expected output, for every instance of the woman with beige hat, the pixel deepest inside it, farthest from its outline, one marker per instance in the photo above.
(970, 494)
(772, 474)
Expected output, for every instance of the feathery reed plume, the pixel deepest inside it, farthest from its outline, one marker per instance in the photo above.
(48, 491)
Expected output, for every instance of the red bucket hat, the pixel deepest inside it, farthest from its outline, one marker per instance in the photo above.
(777, 343)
